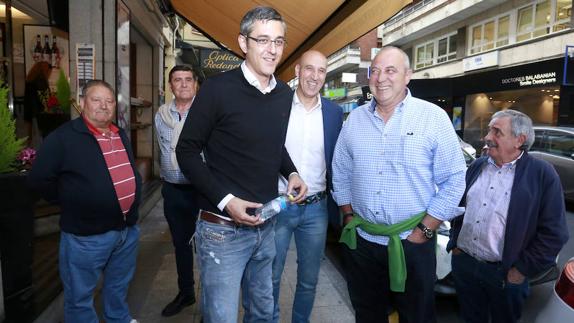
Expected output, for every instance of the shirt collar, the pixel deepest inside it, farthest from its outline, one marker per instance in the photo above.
(113, 128)
(402, 105)
(173, 108)
(506, 165)
(250, 77)
(297, 102)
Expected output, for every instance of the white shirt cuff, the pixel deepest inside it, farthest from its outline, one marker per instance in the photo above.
(221, 206)
(292, 174)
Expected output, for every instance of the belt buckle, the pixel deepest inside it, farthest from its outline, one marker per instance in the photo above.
(313, 198)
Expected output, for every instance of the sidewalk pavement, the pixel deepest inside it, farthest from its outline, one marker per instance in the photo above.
(155, 281)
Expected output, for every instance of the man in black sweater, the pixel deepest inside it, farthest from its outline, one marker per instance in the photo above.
(239, 120)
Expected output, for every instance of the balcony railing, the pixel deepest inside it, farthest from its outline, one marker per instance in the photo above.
(405, 13)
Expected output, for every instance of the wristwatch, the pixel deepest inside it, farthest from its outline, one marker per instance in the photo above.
(429, 234)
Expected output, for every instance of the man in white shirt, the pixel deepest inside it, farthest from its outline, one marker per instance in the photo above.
(313, 129)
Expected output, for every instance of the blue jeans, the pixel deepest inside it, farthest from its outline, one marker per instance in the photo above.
(309, 225)
(180, 211)
(83, 259)
(484, 292)
(234, 258)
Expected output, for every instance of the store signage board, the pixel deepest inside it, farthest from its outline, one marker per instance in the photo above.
(480, 61)
(349, 77)
(335, 93)
(531, 79)
(219, 60)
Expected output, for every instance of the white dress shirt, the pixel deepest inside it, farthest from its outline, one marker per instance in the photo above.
(484, 225)
(306, 146)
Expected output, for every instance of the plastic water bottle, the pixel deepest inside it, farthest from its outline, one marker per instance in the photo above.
(273, 207)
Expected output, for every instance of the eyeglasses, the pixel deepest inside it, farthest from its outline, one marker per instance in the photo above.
(279, 42)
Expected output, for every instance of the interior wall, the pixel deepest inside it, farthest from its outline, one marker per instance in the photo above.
(541, 107)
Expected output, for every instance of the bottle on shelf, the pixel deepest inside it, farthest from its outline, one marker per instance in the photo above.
(55, 54)
(37, 53)
(47, 52)
(273, 207)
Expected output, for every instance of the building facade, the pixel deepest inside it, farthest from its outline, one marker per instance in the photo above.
(474, 58)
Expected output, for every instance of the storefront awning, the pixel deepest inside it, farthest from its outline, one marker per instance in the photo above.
(326, 25)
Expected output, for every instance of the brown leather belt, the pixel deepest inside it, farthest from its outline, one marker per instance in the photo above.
(212, 218)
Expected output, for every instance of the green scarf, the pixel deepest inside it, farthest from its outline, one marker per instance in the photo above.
(397, 264)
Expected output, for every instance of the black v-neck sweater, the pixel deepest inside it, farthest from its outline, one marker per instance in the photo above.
(242, 134)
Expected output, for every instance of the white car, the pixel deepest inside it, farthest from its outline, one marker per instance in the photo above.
(467, 147)
(560, 306)
(445, 283)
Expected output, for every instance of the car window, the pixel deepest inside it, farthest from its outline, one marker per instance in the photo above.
(538, 144)
(560, 143)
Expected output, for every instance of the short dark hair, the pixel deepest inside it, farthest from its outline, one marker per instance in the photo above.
(261, 14)
(92, 83)
(184, 68)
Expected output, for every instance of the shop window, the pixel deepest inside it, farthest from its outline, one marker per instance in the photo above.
(562, 14)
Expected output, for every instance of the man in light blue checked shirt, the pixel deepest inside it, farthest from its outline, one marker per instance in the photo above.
(179, 197)
(398, 172)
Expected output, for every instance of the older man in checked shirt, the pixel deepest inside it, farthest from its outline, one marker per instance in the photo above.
(398, 172)
(87, 167)
(179, 197)
(513, 227)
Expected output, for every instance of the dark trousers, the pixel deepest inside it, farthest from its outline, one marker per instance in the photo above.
(367, 273)
(484, 292)
(180, 210)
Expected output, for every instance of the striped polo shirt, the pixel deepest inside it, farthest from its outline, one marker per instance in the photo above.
(118, 164)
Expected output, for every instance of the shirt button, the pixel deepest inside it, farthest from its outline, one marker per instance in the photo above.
(474, 239)
(379, 192)
(377, 212)
(380, 173)
(477, 221)
(491, 187)
(483, 204)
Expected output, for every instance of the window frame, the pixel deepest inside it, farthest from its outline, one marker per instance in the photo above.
(552, 26)
(434, 59)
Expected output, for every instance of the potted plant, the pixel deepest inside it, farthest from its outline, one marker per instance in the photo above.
(10, 146)
(16, 216)
(56, 106)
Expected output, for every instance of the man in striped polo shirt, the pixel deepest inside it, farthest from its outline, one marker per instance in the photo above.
(87, 167)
